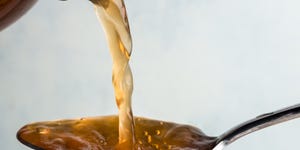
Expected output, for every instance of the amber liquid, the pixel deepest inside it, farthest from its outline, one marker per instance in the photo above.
(112, 15)
(101, 133)
(115, 132)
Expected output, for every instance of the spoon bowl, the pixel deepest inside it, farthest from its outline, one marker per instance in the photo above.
(102, 133)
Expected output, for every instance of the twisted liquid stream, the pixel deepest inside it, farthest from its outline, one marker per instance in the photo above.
(112, 15)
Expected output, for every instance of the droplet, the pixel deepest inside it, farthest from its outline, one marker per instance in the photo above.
(156, 146)
(157, 132)
(146, 133)
(103, 142)
(149, 138)
(140, 142)
(42, 130)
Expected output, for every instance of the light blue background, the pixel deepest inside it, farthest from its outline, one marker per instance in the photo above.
(208, 63)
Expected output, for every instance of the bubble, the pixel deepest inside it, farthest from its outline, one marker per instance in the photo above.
(149, 138)
(157, 132)
(146, 133)
(42, 130)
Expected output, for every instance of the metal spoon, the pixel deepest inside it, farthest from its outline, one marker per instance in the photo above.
(260, 122)
(102, 133)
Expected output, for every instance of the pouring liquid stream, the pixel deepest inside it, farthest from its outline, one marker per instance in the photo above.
(125, 131)
(112, 15)
(145, 134)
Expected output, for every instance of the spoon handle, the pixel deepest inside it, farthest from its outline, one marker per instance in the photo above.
(260, 122)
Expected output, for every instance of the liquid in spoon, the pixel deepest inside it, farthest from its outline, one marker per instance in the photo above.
(101, 133)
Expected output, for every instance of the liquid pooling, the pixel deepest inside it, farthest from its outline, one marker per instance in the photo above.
(101, 133)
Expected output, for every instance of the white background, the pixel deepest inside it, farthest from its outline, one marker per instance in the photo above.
(209, 63)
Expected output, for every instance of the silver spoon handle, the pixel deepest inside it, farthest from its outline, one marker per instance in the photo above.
(260, 122)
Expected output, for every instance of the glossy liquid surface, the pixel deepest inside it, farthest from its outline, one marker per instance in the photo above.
(102, 133)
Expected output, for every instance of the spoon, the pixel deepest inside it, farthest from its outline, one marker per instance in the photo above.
(260, 122)
(102, 133)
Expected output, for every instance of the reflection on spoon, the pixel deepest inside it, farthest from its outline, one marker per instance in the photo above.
(100, 133)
